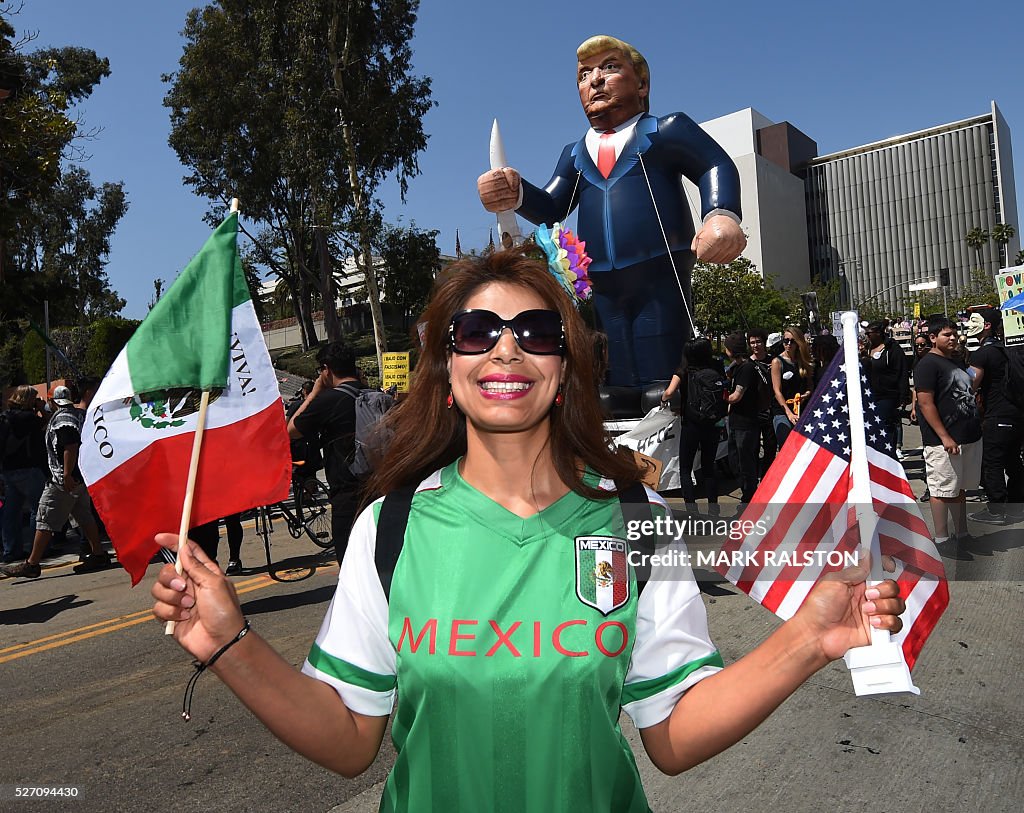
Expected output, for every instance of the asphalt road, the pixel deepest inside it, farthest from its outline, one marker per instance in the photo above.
(92, 695)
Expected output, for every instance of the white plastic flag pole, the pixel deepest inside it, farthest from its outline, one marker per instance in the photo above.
(193, 470)
(508, 226)
(880, 667)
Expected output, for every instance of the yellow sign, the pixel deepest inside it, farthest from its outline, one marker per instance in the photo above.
(917, 310)
(396, 371)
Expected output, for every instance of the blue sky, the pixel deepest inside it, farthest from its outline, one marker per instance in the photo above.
(845, 74)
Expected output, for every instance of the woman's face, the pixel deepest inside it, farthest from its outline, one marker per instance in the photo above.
(789, 343)
(505, 389)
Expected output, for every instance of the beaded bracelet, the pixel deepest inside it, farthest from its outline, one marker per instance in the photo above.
(186, 703)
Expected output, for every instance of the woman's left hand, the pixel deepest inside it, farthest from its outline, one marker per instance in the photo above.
(841, 609)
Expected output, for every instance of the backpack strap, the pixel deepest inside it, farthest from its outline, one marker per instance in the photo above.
(635, 496)
(391, 524)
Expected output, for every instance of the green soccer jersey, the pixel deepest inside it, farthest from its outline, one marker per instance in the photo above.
(513, 644)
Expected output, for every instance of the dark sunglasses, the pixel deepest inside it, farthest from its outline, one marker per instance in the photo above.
(538, 332)
(787, 341)
(921, 346)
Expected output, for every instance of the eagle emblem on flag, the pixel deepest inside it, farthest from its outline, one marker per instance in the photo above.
(602, 572)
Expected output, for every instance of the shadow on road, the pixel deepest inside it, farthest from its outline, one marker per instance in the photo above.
(43, 611)
(269, 604)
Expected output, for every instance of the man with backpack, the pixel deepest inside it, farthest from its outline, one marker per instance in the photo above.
(703, 406)
(329, 411)
(1002, 423)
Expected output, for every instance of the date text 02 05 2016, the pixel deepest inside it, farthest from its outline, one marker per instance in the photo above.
(40, 792)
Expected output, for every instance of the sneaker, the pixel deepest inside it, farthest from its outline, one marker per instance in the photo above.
(989, 517)
(926, 497)
(93, 562)
(234, 568)
(23, 570)
(899, 453)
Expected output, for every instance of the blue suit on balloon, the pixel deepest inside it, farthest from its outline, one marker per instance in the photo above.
(636, 295)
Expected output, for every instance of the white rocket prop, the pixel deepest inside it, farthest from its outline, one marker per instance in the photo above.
(508, 226)
(880, 667)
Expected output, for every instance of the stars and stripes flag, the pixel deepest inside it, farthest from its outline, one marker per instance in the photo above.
(803, 507)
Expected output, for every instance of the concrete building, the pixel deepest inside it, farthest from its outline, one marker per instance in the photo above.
(895, 212)
(880, 216)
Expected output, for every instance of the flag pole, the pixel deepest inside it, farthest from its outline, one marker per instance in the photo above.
(880, 667)
(193, 471)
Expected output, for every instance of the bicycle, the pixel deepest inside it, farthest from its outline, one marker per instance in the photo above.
(306, 511)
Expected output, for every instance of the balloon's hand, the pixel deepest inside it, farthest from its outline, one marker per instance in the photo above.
(499, 189)
(720, 240)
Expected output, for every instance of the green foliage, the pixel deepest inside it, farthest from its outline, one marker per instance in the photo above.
(108, 337)
(411, 261)
(735, 297)
(300, 109)
(33, 357)
(54, 224)
(11, 369)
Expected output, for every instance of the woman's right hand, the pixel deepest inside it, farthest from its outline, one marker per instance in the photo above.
(201, 601)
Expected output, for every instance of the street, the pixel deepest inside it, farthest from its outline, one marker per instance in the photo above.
(93, 693)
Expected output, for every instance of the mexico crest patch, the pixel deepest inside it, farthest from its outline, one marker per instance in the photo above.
(602, 573)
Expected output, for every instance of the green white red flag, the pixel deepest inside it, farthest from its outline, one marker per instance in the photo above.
(138, 433)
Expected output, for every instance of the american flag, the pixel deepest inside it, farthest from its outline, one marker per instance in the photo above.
(802, 507)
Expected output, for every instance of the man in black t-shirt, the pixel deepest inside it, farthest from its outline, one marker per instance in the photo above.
(329, 412)
(950, 429)
(1002, 424)
(744, 427)
(758, 341)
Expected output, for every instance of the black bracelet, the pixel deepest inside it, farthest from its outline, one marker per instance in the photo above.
(186, 703)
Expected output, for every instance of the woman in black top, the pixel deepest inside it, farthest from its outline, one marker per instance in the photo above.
(792, 379)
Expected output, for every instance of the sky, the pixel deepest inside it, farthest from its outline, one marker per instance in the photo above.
(846, 74)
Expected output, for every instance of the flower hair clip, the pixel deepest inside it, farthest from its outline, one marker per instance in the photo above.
(567, 260)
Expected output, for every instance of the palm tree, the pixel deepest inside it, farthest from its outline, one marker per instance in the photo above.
(976, 239)
(1002, 233)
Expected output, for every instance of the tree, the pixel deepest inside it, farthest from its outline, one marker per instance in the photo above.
(54, 225)
(976, 238)
(735, 297)
(322, 106)
(158, 291)
(1002, 233)
(410, 262)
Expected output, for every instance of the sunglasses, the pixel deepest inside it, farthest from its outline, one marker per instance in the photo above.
(787, 341)
(538, 332)
(921, 346)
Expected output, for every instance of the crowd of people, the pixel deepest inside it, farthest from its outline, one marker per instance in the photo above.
(42, 483)
(972, 429)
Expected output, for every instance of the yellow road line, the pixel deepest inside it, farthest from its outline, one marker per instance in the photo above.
(111, 625)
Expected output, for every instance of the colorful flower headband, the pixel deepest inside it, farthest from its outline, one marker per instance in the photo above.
(567, 260)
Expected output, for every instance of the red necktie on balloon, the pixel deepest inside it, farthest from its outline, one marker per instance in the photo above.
(606, 154)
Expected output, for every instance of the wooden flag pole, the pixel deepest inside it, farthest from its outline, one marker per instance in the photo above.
(190, 489)
(193, 471)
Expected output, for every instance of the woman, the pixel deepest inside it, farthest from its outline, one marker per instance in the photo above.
(698, 431)
(22, 460)
(792, 380)
(823, 350)
(511, 674)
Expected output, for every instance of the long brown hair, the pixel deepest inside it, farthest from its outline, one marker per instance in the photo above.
(804, 362)
(424, 435)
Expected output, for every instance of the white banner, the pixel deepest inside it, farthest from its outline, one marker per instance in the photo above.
(657, 436)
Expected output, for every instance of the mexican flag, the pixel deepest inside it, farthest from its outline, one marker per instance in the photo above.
(137, 437)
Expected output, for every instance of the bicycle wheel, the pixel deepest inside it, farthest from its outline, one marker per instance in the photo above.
(314, 512)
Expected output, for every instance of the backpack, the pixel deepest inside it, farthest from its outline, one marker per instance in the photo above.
(370, 406)
(1013, 379)
(705, 394)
